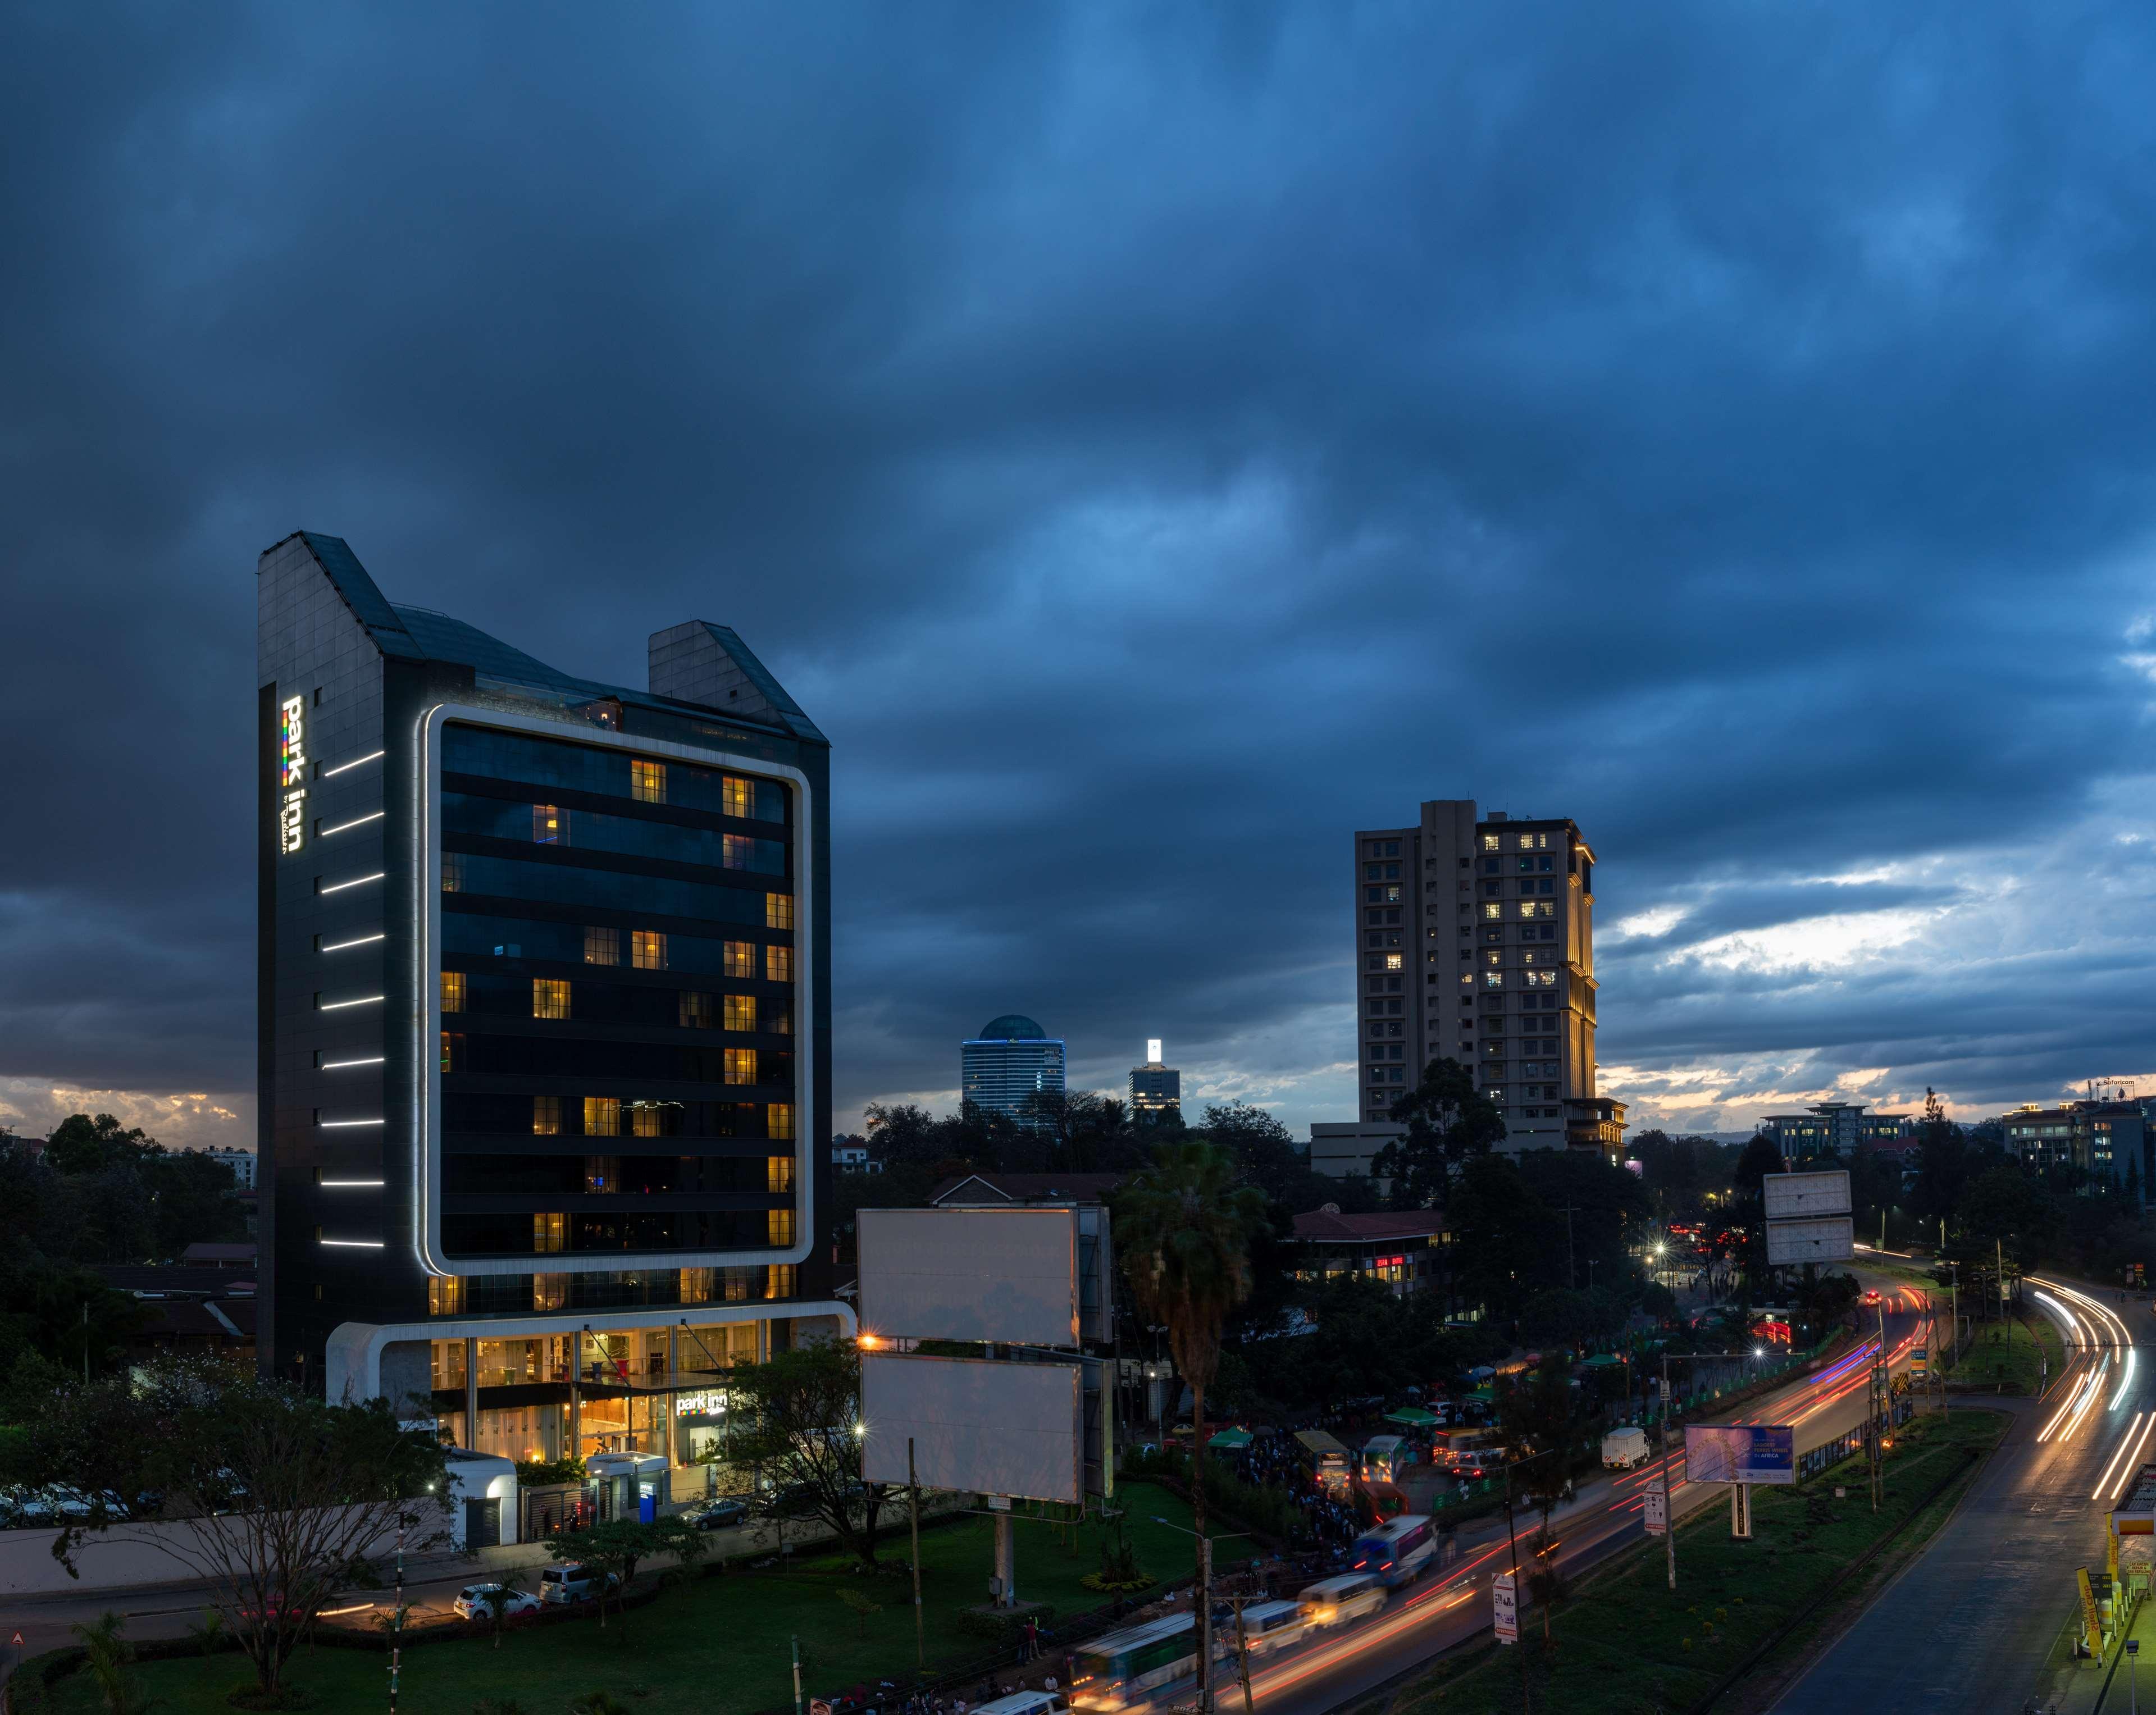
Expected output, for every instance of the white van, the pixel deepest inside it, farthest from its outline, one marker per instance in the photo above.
(1335, 1601)
(1272, 1626)
(1022, 1703)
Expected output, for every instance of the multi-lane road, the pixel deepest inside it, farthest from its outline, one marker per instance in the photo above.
(1453, 1605)
(1980, 1621)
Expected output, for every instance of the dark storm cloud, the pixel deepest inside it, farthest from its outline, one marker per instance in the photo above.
(1153, 443)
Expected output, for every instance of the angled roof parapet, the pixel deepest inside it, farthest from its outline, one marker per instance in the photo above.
(699, 662)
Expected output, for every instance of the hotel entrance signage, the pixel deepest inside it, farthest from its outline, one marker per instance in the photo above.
(291, 772)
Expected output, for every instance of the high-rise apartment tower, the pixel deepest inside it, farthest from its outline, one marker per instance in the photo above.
(1008, 1065)
(1475, 940)
(1156, 1089)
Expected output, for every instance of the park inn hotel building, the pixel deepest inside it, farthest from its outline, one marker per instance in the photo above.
(1474, 941)
(545, 1021)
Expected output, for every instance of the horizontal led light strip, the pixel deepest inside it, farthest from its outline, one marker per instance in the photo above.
(338, 1065)
(357, 941)
(339, 1005)
(344, 1125)
(372, 755)
(347, 827)
(356, 882)
(350, 1184)
(355, 1244)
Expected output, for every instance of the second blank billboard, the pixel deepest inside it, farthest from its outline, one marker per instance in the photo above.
(990, 1428)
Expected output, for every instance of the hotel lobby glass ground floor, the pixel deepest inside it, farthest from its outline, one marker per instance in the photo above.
(660, 1390)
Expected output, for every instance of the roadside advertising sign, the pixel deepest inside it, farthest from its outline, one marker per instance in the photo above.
(1504, 1600)
(1740, 1453)
(1920, 1360)
(1657, 1514)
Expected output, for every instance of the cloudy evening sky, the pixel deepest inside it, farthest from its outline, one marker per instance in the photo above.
(1151, 442)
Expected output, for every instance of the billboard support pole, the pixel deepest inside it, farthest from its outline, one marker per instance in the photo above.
(913, 1517)
(1668, 1521)
(1204, 1621)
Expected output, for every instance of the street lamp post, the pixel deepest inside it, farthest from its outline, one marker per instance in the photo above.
(1204, 1608)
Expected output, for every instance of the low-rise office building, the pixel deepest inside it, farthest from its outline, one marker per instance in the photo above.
(1842, 1128)
(2092, 1143)
(1410, 1252)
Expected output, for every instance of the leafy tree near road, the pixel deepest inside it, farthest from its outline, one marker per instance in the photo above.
(1748, 1206)
(1945, 1164)
(1449, 1124)
(1183, 1228)
(272, 1494)
(497, 1598)
(1504, 1236)
(803, 1409)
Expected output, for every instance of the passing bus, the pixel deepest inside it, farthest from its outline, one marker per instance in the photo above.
(1126, 1670)
(1385, 1458)
(1397, 1550)
(1334, 1601)
(1325, 1459)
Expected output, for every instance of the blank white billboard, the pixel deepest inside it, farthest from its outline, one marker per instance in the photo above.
(1830, 1239)
(978, 1425)
(1800, 1196)
(1007, 1275)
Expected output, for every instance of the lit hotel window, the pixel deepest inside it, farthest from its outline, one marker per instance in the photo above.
(550, 997)
(778, 1120)
(452, 991)
(1490, 842)
(778, 1174)
(736, 797)
(549, 1232)
(1393, 961)
(740, 1065)
(602, 947)
(647, 1119)
(777, 964)
(446, 1294)
(777, 911)
(546, 1116)
(778, 1281)
(602, 1117)
(647, 782)
(778, 1226)
(549, 826)
(647, 950)
(741, 1012)
(699, 1285)
(741, 958)
(550, 1292)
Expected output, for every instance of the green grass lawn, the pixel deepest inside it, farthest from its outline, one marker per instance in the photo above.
(1624, 1644)
(720, 1644)
(2008, 1352)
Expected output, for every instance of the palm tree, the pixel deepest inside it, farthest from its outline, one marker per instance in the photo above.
(1184, 1226)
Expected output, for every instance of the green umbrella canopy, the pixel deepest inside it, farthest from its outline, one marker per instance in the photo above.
(1412, 1417)
(1230, 1440)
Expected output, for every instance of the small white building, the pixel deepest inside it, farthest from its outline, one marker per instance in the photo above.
(483, 1511)
(240, 1161)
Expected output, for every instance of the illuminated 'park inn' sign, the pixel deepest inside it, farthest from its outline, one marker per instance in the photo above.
(291, 770)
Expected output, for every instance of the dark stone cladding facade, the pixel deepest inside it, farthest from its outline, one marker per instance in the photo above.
(366, 672)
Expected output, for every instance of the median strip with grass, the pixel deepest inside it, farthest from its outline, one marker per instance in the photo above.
(1622, 1642)
(717, 1645)
(2019, 1356)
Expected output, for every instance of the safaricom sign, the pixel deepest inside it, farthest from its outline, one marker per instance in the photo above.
(291, 770)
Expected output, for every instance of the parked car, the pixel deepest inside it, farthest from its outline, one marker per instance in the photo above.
(472, 1604)
(572, 1581)
(721, 1515)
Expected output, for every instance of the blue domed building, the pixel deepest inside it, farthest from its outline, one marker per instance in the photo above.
(1012, 1061)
